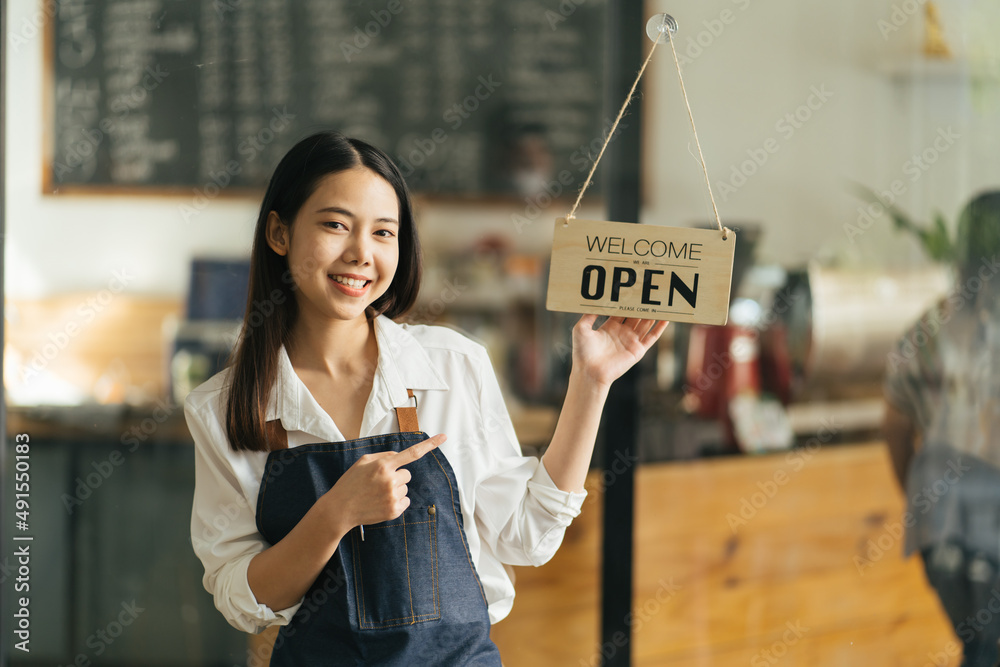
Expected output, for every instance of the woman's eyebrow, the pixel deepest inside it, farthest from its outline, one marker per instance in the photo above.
(344, 211)
(335, 209)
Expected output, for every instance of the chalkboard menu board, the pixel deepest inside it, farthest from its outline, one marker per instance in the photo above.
(470, 97)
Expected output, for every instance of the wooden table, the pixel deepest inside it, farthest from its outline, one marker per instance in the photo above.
(790, 582)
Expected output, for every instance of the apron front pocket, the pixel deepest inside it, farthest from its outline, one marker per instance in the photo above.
(396, 570)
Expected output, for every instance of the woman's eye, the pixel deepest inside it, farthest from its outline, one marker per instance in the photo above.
(332, 223)
(387, 233)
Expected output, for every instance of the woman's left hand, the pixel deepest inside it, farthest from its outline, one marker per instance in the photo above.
(604, 354)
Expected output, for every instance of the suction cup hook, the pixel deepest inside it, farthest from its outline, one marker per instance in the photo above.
(658, 25)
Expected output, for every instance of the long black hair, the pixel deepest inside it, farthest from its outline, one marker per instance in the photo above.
(271, 309)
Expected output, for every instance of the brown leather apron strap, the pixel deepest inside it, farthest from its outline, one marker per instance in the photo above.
(277, 437)
(407, 416)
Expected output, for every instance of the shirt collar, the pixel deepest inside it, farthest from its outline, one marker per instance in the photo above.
(402, 364)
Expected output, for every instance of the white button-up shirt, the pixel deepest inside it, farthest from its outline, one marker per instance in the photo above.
(514, 513)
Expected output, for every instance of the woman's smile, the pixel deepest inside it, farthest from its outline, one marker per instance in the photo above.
(350, 284)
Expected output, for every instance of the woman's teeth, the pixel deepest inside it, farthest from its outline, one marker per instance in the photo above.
(351, 282)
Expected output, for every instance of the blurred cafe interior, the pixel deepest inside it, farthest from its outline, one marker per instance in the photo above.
(808, 484)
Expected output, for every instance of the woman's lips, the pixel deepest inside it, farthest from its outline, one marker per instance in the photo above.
(347, 289)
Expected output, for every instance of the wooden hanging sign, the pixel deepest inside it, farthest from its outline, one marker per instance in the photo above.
(628, 270)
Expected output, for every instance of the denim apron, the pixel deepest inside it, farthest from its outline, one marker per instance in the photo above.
(401, 592)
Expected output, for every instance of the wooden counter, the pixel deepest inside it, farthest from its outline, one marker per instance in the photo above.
(785, 582)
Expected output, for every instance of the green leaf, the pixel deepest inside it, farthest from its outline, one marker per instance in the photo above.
(939, 244)
(933, 238)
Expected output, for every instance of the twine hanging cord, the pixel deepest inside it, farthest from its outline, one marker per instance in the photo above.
(621, 112)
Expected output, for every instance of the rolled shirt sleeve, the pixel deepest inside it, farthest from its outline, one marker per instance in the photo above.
(521, 513)
(223, 523)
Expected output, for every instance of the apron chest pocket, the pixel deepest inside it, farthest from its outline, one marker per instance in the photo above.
(396, 571)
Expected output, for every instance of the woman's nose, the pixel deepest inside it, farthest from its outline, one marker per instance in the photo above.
(358, 248)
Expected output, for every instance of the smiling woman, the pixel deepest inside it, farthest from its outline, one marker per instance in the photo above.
(311, 434)
(342, 250)
(344, 236)
(334, 206)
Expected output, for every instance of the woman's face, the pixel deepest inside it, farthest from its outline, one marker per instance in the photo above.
(344, 244)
